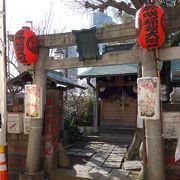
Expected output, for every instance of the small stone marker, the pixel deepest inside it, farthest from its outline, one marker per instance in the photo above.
(132, 165)
(82, 168)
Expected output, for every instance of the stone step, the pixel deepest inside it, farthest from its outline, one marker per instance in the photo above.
(69, 174)
(115, 174)
(115, 130)
(112, 138)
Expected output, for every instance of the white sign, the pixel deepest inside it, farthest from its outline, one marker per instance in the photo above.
(26, 124)
(139, 123)
(33, 101)
(15, 125)
(177, 153)
(171, 124)
(148, 98)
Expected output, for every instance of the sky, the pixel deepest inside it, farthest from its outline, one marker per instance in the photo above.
(20, 11)
(64, 19)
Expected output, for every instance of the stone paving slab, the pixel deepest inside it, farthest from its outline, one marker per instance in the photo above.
(108, 146)
(97, 172)
(82, 168)
(94, 146)
(132, 165)
(115, 157)
(80, 152)
(119, 152)
(100, 155)
(116, 174)
(106, 149)
(96, 142)
(119, 148)
(100, 170)
(69, 174)
(74, 150)
(122, 145)
(70, 153)
(112, 164)
(100, 159)
(94, 162)
(88, 150)
(104, 152)
(83, 154)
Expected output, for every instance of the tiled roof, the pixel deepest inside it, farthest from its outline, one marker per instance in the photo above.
(51, 75)
(55, 76)
(109, 71)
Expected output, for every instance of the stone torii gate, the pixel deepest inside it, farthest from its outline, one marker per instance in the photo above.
(108, 34)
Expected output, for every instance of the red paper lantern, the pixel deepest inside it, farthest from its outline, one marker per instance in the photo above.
(150, 26)
(26, 46)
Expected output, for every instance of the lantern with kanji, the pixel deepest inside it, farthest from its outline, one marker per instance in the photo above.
(150, 25)
(26, 46)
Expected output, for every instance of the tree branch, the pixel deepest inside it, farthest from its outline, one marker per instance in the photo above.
(177, 2)
(137, 4)
(121, 6)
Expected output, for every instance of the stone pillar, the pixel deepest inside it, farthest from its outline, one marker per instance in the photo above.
(153, 130)
(35, 135)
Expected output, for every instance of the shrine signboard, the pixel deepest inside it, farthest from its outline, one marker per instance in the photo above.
(33, 101)
(171, 124)
(148, 98)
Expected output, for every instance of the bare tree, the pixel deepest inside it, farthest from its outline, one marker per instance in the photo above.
(41, 28)
(45, 25)
(128, 6)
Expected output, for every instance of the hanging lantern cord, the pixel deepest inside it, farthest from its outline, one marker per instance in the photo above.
(150, 1)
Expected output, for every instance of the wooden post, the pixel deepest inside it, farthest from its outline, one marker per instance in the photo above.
(154, 139)
(95, 105)
(97, 109)
(35, 135)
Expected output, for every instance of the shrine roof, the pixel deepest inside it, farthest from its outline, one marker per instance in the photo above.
(53, 76)
(116, 70)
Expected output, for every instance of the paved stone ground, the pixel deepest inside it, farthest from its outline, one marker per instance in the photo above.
(102, 160)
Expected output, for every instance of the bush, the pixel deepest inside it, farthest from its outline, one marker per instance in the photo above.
(86, 115)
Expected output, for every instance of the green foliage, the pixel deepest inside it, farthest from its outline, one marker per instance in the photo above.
(70, 126)
(82, 118)
(86, 116)
(174, 38)
(70, 119)
(76, 117)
